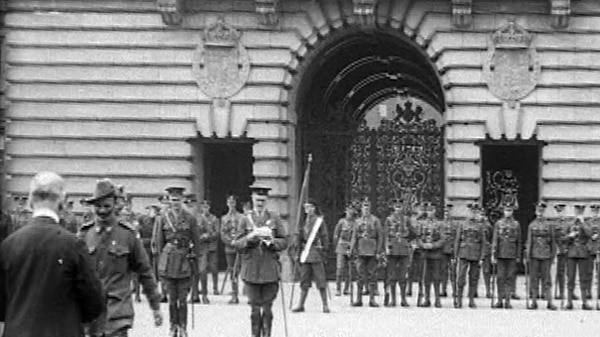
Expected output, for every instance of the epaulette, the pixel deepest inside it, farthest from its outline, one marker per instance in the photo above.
(127, 225)
(87, 225)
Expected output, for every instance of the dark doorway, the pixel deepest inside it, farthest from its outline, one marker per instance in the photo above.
(227, 169)
(510, 173)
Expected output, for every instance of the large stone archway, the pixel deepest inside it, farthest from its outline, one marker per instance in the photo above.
(343, 78)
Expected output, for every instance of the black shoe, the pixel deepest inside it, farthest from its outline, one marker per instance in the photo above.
(472, 304)
(515, 297)
(488, 295)
(533, 306)
(444, 294)
(373, 304)
(195, 300)
(426, 304)
(586, 306)
(205, 300)
(163, 299)
(507, 305)
(338, 293)
(346, 292)
(234, 300)
(498, 305)
(569, 305)
(357, 304)
(438, 303)
(551, 306)
(575, 298)
(404, 304)
(298, 309)
(326, 310)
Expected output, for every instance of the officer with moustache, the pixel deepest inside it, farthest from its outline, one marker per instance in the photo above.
(230, 222)
(117, 254)
(342, 235)
(312, 240)
(576, 239)
(260, 239)
(431, 239)
(540, 249)
(469, 248)
(506, 251)
(177, 241)
(366, 244)
(398, 234)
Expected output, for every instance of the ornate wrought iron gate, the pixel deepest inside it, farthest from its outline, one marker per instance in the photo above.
(402, 158)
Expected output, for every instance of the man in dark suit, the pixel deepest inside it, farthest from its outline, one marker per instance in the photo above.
(47, 284)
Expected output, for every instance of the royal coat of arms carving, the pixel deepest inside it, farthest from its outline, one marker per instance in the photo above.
(512, 68)
(221, 64)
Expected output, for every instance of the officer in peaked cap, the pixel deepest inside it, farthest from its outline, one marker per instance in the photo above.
(506, 251)
(260, 239)
(177, 241)
(469, 252)
(117, 254)
(540, 249)
(367, 244)
(209, 238)
(230, 222)
(431, 239)
(341, 241)
(576, 238)
(397, 236)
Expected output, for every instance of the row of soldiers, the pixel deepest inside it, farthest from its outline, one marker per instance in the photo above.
(432, 251)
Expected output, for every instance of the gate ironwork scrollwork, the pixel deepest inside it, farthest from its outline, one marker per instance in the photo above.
(401, 158)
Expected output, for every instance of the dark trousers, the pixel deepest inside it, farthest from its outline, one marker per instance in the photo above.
(367, 266)
(397, 269)
(540, 269)
(233, 270)
(574, 264)
(260, 298)
(473, 268)
(212, 267)
(310, 272)
(177, 291)
(561, 269)
(506, 275)
(433, 276)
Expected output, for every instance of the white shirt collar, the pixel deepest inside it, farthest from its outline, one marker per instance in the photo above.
(44, 212)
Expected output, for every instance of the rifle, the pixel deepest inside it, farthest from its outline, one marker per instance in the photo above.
(455, 281)
(194, 265)
(493, 272)
(422, 280)
(527, 286)
(350, 279)
(597, 264)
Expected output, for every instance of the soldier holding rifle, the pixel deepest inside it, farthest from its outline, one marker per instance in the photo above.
(230, 223)
(576, 238)
(342, 235)
(506, 251)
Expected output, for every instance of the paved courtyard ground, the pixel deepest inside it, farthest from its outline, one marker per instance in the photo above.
(220, 319)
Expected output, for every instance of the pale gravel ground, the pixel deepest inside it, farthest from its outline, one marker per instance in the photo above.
(222, 320)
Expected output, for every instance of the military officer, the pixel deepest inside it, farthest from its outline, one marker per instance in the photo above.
(576, 238)
(540, 249)
(430, 240)
(21, 215)
(145, 228)
(506, 251)
(230, 222)
(177, 241)
(116, 254)
(448, 270)
(594, 250)
(366, 243)
(397, 236)
(312, 241)
(486, 264)
(212, 266)
(260, 240)
(560, 229)
(342, 235)
(469, 250)
(415, 272)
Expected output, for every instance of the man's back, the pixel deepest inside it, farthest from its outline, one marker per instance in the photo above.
(47, 285)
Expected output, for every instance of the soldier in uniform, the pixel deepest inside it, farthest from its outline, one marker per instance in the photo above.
(431, 239)
(312, 241)
(366, 243)
(506, 251)
(469, 250)
(414, 271)
(486, 264)
(540, 249)
(576, 239)
(342, 235)
(230, 223)
(448, 270)
(145, 229)
(560, 229)
(116, 254)
(21, 216)
(212, 265)
(397, 236)
(260, 240)
(68, 219)
(177, 241)
(594, 250)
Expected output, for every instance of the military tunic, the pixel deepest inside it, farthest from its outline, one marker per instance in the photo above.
(313, 269)
(210, 244)
(469, 249)
(431, 239)
(540, 249)
(398, 234)
(230, 224)
(366, 243)
(117, 254)
(560, 229)
(594, 251)
(177, 241)
(506, 248)
(448, 271)
(342, 235)
(576, 238)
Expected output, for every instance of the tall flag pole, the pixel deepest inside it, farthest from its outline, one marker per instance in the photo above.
(303, 193)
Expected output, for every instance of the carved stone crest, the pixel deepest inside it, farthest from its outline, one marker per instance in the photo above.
(221, 64)
(512, 68)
